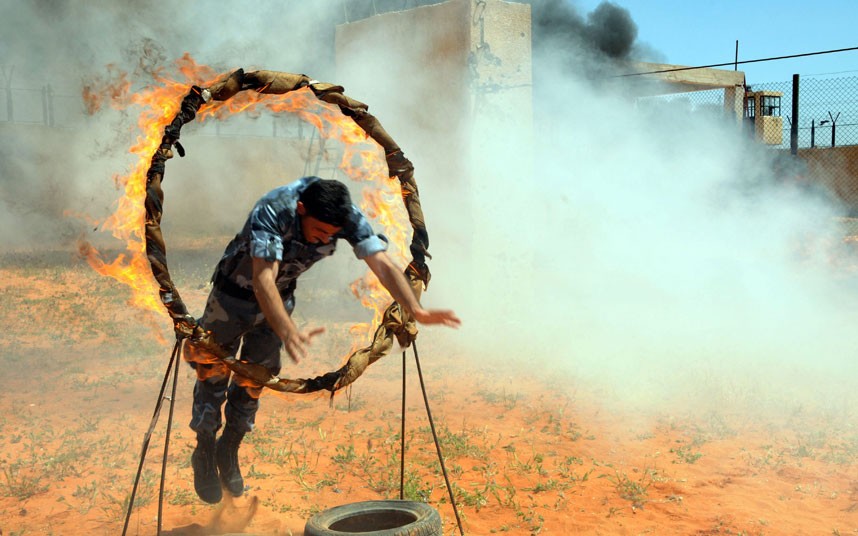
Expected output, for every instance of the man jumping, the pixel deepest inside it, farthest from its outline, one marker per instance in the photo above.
(250, 306)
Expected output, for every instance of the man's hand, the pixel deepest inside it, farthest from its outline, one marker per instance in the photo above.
(395, 283)
(297, 341)
(437, 316)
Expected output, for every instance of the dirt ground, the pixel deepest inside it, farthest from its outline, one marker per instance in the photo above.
(527, 451)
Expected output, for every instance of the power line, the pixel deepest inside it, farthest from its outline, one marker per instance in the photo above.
(740, 62)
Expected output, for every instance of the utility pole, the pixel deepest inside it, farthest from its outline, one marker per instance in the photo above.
(736, 59)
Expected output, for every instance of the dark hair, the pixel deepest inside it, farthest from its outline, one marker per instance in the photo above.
(328, 201)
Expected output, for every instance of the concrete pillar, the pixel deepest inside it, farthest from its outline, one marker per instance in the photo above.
(734, 102)
(451, 83)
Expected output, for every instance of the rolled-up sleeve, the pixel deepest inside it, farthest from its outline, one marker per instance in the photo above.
(362, 238)
(265, 240)
(370, 245)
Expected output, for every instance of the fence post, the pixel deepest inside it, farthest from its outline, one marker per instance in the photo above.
(10, 110)
(833, 126)
(793, 131)
(45, 105)
(50, 106)
(812, 133)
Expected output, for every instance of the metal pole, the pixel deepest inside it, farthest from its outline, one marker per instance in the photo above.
(402, 438)
(45, 105)
(812, 133)
(833, 126)
(10, 110)
(167, 444)
(435, 437)
(148, 435)
(50, 106)
(793, 134)
(736, 60)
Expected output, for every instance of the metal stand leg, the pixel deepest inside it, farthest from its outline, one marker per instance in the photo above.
(434, 436)
(167, 445)
(148, 436)
(402, 438)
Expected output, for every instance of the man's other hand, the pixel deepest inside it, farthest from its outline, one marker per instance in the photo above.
(297, 342)
(437, 316)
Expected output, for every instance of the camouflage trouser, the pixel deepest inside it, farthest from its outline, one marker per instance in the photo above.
(234, 323)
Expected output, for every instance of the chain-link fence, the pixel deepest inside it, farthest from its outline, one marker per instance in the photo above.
(818, 137)
(63, 109)
(39, 106)
(827, 111)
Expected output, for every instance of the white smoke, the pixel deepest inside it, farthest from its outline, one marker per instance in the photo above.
(639, 251)
(658, 255)
(50, 175)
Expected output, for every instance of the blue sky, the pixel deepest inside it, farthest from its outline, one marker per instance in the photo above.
(704, 32)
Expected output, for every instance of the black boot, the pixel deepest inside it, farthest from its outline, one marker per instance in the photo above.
(206, 482)
(227, 460)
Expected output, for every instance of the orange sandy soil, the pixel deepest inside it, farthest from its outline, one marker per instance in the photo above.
(527, 453)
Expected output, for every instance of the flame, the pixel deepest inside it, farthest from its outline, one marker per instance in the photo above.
(362, 160)
(115, 88)
(384, 205)
(159, 103)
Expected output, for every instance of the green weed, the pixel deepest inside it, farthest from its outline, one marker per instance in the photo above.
(633, 490)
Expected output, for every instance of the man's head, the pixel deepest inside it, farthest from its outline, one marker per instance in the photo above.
(324, 208)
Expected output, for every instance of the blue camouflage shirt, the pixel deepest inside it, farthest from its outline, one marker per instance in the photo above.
(273, 232)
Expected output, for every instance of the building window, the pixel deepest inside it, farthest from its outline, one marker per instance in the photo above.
(750, 107)
(770, 105)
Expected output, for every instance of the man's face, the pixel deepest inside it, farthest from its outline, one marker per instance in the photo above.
(315, 231)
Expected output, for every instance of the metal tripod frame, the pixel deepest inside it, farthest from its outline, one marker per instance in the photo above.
(434, 436)
(172, 366)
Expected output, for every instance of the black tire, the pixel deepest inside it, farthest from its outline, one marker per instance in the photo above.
(376, 518)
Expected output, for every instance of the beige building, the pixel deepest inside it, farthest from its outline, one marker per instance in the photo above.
(460, 106)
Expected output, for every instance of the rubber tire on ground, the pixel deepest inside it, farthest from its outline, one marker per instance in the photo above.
(376, 518)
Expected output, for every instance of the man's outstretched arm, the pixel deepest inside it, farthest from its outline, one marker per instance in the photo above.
(396, 284)
(265, 289)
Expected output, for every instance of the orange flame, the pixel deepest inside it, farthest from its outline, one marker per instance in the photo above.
(384, 205)
(114, 88)
(362, 160)
(159, 104)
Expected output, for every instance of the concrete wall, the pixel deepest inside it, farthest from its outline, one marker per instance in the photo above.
(411, 68)
(836, 168)
(451, 83)
(429, 72)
